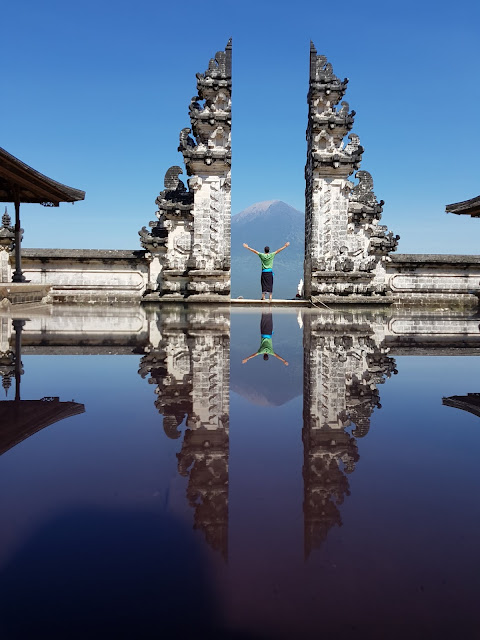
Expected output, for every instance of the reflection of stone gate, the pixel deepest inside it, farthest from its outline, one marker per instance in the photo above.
(345, 359)
(189, 246)
(189, 362)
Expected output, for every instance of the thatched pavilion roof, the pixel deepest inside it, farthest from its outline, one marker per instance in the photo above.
(31, 185)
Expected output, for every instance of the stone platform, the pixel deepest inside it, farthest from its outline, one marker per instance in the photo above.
(247, 302)
(320, 301)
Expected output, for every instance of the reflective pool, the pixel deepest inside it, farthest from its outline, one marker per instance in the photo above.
(263, 474)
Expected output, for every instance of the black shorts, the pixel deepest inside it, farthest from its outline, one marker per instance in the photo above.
(266, 324)
(267, 282)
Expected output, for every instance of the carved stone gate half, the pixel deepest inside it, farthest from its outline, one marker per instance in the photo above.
(345, 246)
(188, 246)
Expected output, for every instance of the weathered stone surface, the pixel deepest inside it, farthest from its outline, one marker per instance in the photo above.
(342, 234)
(434, 279)
(87, 275)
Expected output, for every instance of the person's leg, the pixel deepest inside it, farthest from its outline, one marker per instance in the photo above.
(264, 284)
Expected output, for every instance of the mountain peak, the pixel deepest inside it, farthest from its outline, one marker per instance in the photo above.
(267, 208)
(269, 223)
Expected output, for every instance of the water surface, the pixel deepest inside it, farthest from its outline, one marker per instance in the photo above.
(197, 488)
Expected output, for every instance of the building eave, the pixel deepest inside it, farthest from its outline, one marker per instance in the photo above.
(467, 207)
(17, 179)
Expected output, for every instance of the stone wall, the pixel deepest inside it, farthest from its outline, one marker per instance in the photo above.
(90, 275)
(434, 279)
(87, 276)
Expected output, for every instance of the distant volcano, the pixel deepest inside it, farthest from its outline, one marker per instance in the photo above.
(270, 223)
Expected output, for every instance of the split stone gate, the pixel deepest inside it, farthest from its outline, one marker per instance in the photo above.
(188, 246)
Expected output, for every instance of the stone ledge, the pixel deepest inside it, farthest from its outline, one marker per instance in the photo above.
(358, 299)
(417, 259)
(213, 273)
(83, 254)
(343, 275)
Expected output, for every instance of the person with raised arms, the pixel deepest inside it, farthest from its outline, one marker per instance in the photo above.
(266, 259)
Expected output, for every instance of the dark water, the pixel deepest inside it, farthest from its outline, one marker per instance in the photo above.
(194, 495)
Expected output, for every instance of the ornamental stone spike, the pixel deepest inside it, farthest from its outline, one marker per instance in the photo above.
(345, 248)
(189, 244)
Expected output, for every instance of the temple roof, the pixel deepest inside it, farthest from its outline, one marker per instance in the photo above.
(467, 207)
(32, 186)
(21, 419)
(470, 403)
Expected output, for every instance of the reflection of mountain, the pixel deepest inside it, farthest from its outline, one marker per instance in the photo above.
(269, 223)
(268, 383)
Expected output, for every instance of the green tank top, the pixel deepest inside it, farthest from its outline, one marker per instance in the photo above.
(266, 346)
(267, 260)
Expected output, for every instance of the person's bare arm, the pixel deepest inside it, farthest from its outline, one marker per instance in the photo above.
(281, 359)
(281, 248)
(249, 357)
(250, 248)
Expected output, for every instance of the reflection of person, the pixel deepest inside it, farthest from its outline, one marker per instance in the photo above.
(266, 340)
(267, 263)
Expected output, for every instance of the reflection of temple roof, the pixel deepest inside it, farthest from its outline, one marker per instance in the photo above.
(467, 207)
(470, 403)
(20, 419)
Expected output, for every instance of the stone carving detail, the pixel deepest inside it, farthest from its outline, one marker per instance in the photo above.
(345, 247)
(345, 359)
(191, 239)
(190, 368)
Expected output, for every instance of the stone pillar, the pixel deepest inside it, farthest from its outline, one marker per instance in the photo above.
(193, 240)
(345, 247)
(7, 245)
(344, 362)
(191, 368)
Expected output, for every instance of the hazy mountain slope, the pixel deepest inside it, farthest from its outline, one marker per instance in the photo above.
(270, 223)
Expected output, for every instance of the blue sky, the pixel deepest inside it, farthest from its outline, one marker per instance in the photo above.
(95, 94)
